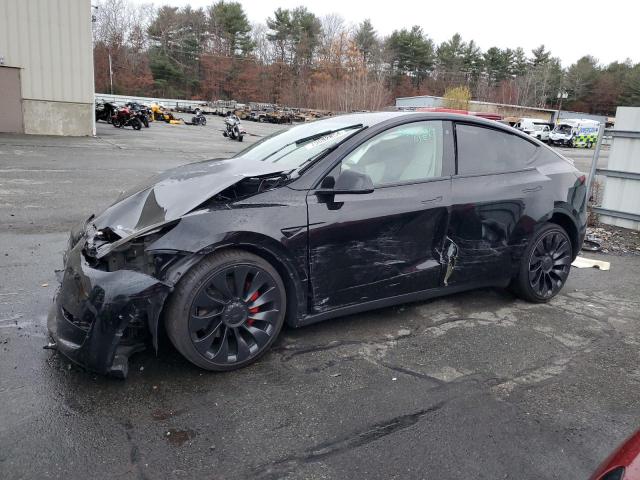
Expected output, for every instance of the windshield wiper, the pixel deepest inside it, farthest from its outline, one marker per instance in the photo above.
(315, 136)
(359, 127)
(308, 163)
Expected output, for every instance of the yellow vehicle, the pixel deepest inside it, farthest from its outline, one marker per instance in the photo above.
(161, 114)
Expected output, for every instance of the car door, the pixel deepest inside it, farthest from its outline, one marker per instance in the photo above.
(365, 247)
(493, 209)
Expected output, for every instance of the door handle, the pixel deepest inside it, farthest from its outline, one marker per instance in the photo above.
(433, 200)
(532, 189)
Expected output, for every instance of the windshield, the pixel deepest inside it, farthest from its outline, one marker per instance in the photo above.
(292, 148)
(565, 129)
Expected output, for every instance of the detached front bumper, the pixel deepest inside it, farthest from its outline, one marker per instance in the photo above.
(97, 318)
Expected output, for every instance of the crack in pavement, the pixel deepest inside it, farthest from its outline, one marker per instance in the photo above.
(279, 468)
(290, 351)
(134, 454)
(412, 373)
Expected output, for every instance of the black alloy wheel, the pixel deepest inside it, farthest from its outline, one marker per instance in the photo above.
(545, 265)
(234, 314)
(549, 264)
(227, 311)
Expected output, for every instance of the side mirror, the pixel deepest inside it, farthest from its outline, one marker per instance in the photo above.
(348, 181)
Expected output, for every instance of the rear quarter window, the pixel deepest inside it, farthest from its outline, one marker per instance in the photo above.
(485, 150)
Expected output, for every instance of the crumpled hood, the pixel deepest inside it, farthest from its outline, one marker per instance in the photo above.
(173, 193)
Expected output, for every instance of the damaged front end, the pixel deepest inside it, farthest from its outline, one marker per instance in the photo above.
(107, 305)
(113, 286)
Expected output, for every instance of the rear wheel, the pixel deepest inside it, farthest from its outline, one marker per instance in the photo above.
(227, 311)
(545, 265)
(136, 123)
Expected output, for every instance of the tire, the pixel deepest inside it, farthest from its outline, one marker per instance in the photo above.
(260, 120)
(224, 133)
(230, 334)
(145, 122)
(545, 265)
(240, 137)
(203, 122)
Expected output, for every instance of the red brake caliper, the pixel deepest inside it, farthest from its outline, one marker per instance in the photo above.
(253, 310)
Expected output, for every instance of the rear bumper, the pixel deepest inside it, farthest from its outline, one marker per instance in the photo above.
(96, 315)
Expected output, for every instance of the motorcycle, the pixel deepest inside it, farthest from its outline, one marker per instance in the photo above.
(233, 128)
(105, 110)
(126, 117)
(140, 111)
(199, 118)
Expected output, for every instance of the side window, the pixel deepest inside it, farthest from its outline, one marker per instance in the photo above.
(410, 152)
(484, 150)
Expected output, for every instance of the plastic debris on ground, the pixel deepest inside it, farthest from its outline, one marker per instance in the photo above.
(581, 262)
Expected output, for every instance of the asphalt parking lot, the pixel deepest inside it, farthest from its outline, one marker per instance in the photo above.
(475, 385)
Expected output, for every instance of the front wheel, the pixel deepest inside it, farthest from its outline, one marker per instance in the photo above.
(226, 311)
(136, 123)
(545, 265)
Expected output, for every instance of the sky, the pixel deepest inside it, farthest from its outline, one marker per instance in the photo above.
(570, 29)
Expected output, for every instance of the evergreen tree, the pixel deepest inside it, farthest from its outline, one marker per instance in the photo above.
(411, 53)
(366, 40)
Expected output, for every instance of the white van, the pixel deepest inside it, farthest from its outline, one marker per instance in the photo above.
(534, 127)
(579, 132)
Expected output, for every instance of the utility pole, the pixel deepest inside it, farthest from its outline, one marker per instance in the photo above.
(110, 73)
(561, 95)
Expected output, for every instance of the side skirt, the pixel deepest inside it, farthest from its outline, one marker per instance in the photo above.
(397, 300)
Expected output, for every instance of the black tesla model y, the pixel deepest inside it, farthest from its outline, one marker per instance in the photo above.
(328, 218)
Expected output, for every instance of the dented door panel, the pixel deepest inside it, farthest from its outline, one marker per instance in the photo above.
(491, 218)
(372, 246)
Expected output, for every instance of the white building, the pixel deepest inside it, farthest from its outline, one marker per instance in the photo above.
(46, 67)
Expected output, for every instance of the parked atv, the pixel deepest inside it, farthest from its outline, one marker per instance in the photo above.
(105, 110)
(126, 117)
(233, 128)
(199, 118)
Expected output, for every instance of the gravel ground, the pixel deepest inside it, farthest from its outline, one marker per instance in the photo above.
(615, 240)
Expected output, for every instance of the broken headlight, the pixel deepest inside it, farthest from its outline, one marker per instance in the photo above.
(107, 251)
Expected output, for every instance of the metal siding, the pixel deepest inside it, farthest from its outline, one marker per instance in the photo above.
(51, 40)
(623, 194)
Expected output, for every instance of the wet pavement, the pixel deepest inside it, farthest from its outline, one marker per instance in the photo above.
(474, 385)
